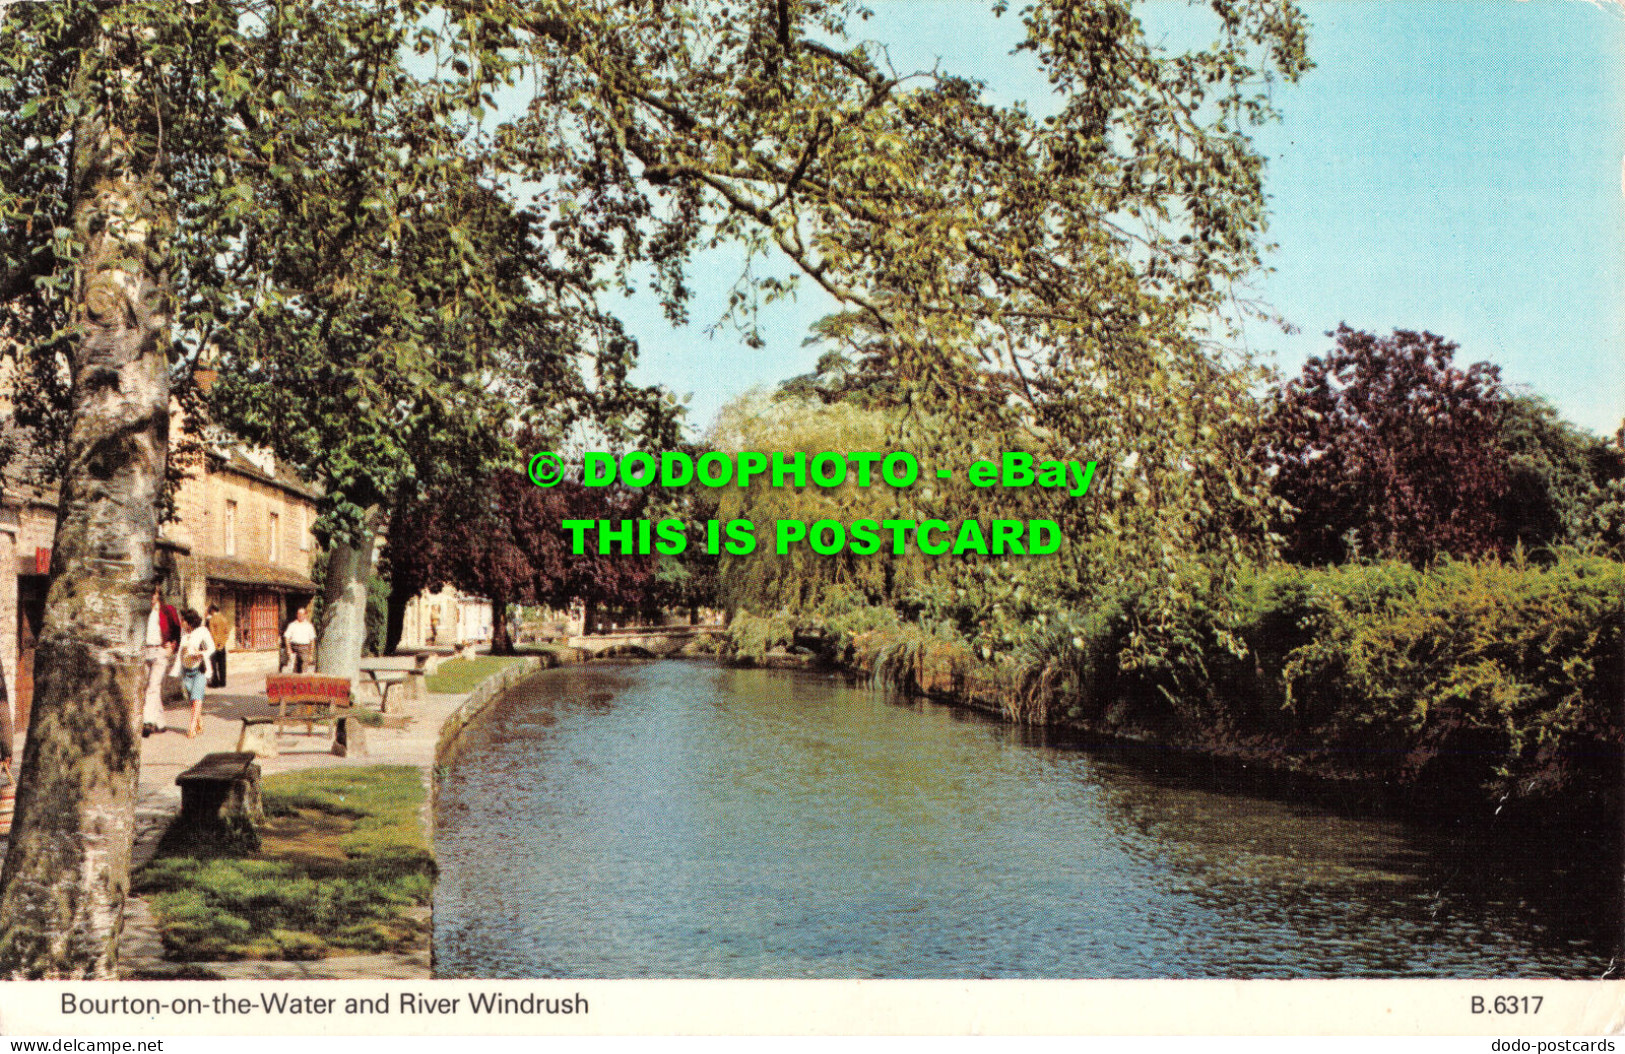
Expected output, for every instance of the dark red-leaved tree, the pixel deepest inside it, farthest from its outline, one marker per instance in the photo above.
(1385, 448)
(503, 541)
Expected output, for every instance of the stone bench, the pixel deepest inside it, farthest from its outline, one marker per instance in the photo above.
(220, 798)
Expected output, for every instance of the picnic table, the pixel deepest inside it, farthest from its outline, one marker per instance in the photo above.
(384, 672)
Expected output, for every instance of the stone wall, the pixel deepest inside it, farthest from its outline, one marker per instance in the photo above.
(201, 520)
(483, 695)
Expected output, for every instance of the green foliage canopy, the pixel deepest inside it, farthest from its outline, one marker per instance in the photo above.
(344, 253)
(1564, 485)
(1053, 283)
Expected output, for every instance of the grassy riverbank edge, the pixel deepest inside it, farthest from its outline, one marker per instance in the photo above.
(386, 860)
(343, 866)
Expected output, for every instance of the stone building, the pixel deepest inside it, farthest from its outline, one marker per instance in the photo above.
(445, 618)
(241, 539)
(27, 528)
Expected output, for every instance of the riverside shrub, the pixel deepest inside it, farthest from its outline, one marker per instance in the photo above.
(1477, 679)
(1504, 674)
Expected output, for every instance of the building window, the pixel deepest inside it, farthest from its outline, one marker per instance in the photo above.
(304, 528)
(276, 537)
(259, 618)
(231, 528)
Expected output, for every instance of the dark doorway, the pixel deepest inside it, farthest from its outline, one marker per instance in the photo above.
(30, 620)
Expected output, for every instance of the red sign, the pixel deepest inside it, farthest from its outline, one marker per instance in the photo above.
(42, 561)
(308, 687)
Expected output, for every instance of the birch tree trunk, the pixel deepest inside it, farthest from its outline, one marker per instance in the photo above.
(344, 603)
(67, 867)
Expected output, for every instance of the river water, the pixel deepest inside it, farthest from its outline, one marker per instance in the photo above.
(679, 819)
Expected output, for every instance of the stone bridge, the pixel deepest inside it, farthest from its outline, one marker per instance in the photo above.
(654, 641)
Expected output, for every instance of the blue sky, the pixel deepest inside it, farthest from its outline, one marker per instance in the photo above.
(1455, 166)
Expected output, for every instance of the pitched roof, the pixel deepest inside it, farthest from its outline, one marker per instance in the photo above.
(254, 573)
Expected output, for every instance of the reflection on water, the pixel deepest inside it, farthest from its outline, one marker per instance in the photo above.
(685, 820)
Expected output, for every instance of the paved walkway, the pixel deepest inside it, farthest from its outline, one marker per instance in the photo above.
(167, 754)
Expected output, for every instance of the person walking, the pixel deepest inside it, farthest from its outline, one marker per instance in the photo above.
(301, 639)
(219, 630)
(193, 665)
(6, 733)
(8, 786)
(163, 640)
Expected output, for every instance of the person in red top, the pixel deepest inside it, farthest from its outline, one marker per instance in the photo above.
(163, 638)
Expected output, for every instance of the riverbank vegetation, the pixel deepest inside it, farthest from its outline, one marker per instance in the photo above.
(1419, 586)
(343, 865)
(1476, 680)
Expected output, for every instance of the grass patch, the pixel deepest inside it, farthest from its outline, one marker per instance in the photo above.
(343, 864)
(457, 676)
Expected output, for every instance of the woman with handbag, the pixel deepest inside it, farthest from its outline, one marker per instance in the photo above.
(192, 663)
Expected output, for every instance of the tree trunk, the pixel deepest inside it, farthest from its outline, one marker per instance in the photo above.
(402, 587)
(67, 867)
(400, 595)
(501, 642)
(344, 603)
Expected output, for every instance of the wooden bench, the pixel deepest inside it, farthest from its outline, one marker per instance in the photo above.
(311, 698)
(220, 798)
(307, 699)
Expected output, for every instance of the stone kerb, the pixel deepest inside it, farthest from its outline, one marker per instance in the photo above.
(484, 694)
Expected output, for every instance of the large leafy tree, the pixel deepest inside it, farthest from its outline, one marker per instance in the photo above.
(1385, 448)
(502, 541)
(1563, 483)
(1051, 282)
(308, 179)
(386, 315)
(94, 97)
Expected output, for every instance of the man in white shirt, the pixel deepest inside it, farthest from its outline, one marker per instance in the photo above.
(301, 639)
